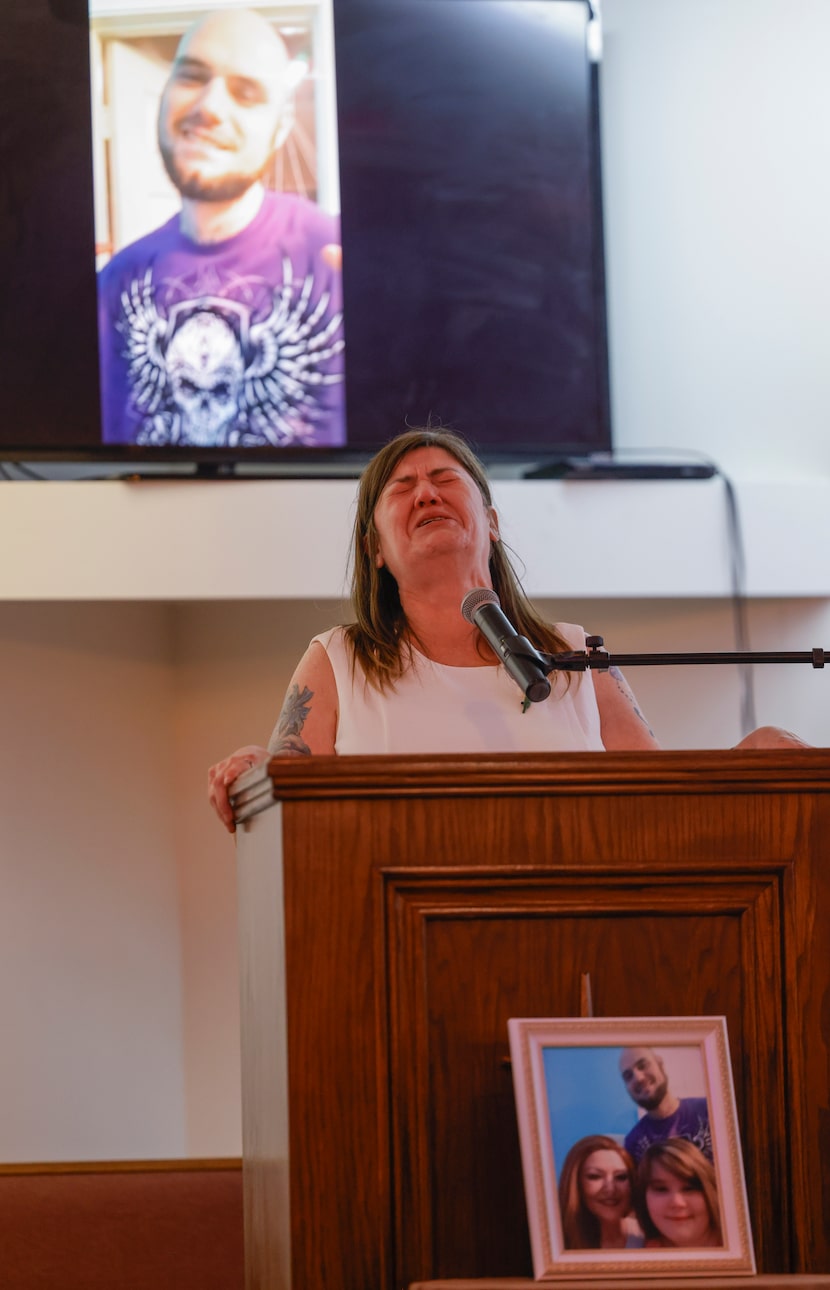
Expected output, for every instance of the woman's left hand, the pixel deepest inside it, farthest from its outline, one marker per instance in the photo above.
(772, 737)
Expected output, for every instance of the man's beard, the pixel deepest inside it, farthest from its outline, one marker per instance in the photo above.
(201, 188)
(652, 1100)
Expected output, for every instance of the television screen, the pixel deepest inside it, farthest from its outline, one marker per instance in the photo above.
(278, 235)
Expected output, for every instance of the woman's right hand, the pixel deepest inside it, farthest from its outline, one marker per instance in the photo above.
(223, 774)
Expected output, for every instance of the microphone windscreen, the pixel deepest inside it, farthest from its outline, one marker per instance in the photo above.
(475, 599)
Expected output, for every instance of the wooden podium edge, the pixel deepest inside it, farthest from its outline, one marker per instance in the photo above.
(528, 774)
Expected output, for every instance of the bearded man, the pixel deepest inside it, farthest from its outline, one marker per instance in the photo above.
(666, 1116)
(223, 328)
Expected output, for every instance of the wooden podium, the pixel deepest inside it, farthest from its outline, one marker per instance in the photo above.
(427, 900)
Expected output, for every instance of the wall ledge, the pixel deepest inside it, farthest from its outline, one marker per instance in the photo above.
(189, 540)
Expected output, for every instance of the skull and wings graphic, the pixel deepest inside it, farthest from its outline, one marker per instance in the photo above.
(207, 374)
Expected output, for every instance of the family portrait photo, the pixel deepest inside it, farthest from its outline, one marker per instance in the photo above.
(630, 1146)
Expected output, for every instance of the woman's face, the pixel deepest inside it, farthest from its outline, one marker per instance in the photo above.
(605, 1185)
(430, 506)
(677, 1208)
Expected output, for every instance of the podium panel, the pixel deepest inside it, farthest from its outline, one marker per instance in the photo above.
(427, 900)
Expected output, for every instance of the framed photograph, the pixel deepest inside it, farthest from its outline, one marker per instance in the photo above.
(630, 1147)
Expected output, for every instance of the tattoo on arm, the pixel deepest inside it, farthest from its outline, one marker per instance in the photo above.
(287, 738)
(628, 694)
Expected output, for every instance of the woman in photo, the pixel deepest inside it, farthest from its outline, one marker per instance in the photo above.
(596, 1191)
(676, 1197)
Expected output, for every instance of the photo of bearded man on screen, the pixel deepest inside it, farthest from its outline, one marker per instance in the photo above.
(223, 328)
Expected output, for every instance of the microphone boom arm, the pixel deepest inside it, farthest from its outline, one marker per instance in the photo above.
(597, 657)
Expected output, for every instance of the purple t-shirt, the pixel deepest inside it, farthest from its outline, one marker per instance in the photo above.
(690, 1120)
(231, 344)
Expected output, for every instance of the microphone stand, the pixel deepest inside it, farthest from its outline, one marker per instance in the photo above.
(596, 656)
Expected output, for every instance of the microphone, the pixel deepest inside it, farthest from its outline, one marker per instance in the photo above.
(481, 607)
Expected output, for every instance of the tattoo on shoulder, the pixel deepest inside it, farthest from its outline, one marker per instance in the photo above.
(288, 735)
(628, 694)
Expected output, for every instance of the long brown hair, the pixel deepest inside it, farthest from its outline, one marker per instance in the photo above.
(683, 1160)
(581, 1228)
(379, 633)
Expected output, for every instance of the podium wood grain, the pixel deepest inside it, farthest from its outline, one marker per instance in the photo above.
(430, 899)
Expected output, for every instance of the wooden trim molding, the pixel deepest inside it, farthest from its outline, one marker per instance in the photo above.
(122, 1166)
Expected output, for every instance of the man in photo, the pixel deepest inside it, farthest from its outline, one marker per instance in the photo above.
(666, 1116)
(223, 328)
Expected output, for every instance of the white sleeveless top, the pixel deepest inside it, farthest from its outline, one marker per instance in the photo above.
(434, 708)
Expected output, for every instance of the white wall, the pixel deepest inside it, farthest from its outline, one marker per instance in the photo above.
(119, 988)
(92, 1063)
(117, 924)
(233, 663)
(716, 192)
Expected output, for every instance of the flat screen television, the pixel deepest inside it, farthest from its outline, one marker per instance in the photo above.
(455, 143)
